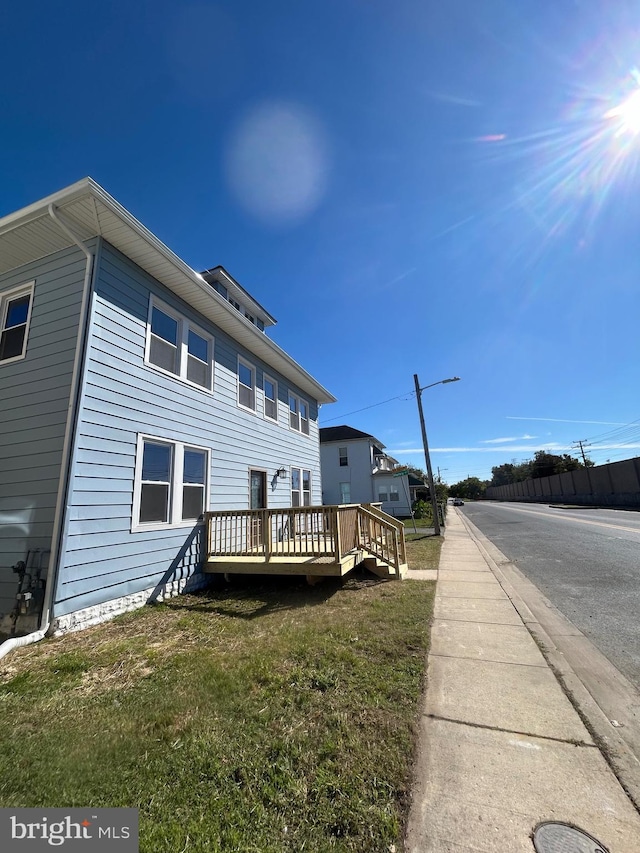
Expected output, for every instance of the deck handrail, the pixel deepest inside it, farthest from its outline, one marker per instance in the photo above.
(399, 525)
(383, 536)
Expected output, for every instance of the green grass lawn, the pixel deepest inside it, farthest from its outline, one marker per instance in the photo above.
(270, 716)
(423, 550)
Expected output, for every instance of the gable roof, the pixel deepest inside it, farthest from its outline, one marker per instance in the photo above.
(89, 211)
(345, 433)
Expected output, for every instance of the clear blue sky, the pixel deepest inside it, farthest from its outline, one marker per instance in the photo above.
(408, 187)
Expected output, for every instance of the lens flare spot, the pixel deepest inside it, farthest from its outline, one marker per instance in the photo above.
(277, 163)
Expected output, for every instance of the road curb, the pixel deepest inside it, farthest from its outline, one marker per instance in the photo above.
(618, 754)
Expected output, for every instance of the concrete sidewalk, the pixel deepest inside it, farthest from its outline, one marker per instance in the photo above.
(501, 748)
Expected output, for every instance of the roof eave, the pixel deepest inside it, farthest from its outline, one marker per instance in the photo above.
(263, 347)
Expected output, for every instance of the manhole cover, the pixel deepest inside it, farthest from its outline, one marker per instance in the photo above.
(554, 837)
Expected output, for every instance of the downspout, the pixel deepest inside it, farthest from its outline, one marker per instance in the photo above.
(72, 412)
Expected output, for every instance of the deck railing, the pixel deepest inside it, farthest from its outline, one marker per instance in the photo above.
(390, 520)
(310, 531)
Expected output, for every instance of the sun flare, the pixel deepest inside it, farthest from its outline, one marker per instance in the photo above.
(627, 115)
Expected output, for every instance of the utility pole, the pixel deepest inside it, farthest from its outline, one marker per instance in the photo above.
(581, 445)
(425, 444)
(432, 490)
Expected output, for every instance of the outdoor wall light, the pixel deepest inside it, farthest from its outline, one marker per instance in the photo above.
(281, 473)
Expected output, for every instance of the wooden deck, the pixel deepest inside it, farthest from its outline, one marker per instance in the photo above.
(312, 541)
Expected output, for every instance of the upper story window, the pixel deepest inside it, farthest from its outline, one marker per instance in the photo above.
(344, 456)
(246, 385)
(298, 414)
(170, 483)
(270, 387)
(177, 346)
(394, 494)
(15, 316)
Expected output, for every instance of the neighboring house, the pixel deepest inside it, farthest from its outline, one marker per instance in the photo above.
(418, 489)
(355, 469)
(136, 395)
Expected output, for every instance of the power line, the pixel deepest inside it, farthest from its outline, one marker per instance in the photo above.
(604, 436)
(406, 396)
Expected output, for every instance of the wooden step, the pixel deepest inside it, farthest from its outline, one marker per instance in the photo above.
(384, 570)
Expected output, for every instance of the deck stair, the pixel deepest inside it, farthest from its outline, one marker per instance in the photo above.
(313, 541)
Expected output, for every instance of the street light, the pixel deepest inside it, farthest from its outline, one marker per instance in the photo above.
(432, 491)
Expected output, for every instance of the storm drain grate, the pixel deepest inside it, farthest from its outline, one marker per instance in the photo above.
(555, 837)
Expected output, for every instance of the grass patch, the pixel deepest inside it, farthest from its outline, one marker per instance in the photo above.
(267, 717)
(423, 551)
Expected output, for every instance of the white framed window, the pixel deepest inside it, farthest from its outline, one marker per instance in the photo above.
(270, 388)
(246, 385)
(300, 487)
(304, 417)
(345, 493)
(343, 455)
(194, 482)
(383, 495)
(295, 487)
(306, 488)
(298, 414)
(394, 495)
(177, 346)
(15, 317)
(171, 483)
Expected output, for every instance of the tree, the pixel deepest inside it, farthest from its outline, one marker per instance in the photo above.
(472, 488)
(543, 464)
(510, 473)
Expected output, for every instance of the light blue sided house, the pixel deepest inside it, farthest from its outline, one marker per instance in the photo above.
(152, 433)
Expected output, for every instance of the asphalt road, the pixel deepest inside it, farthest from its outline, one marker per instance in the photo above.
(586, 562)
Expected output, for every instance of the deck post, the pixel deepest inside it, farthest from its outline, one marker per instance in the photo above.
(266, 536)
(396, 551)
(338, 546)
